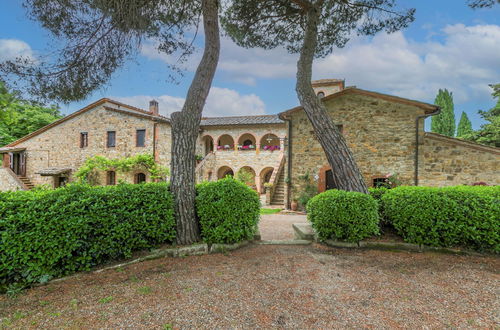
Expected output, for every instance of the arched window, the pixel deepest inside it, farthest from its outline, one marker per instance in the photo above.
(321, 94)
(140, 178)
(225, 142)
(224, 171)
(270, 142)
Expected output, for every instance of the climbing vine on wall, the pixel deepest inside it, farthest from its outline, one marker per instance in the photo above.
(88, 171)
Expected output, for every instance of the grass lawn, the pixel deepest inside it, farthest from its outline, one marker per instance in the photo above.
(269, 211)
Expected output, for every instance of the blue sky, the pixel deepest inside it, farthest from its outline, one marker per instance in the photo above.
(448, 46)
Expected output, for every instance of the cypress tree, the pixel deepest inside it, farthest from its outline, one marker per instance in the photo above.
(444, 123)
(464, 126)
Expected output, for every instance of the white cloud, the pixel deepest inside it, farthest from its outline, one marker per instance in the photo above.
(220, 102)
(463, 59)
(10, 49)
(465, 63)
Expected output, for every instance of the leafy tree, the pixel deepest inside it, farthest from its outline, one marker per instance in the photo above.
(489, 133)
(444, 123)
(19, 118)
(313, 28)
(98, 37)
(464, 126)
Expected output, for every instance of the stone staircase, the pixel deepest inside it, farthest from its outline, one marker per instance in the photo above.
(27, 183)
(279, 191)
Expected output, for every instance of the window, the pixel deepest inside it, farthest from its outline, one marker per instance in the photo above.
(84, 139)
(140, 178)
(111, 140)
(380, 182)
(111, 178)
(321, 94)
(140, 138)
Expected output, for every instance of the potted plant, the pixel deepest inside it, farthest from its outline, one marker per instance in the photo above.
(294, 204)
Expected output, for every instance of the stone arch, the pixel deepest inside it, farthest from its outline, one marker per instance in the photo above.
(265, 177)
(140, 177)
(224, 171)
(225, 142)
(270, 141)
(247, 140)
(208, 144)
(251, 182)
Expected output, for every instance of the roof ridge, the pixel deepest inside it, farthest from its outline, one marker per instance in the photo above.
(249, 116)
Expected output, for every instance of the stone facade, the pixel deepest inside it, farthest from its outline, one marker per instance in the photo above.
(8, 181)
(380, 145)
(448, 162)
(59, 146)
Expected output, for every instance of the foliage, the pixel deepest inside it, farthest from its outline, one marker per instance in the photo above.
(86, 172)
(489, 133)
(475, 4)
(343, 215)
(444, 123)
(19, 118)
(391, 180)
(228, 211)
(309, 189)
(44, 234)
(377, 194)
(246, 176)
(464, 126)
(454, 216)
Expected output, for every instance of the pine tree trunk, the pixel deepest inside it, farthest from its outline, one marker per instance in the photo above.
(185, 128)
(346, 174)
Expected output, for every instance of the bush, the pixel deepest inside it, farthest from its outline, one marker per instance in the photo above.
(443, 217)
(377, 194)
(343, 215)
(228, 211)
(44, 234)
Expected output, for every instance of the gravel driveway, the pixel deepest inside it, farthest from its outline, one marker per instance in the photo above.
(267, 286)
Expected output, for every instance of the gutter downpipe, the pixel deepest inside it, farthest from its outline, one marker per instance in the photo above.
(436, 112)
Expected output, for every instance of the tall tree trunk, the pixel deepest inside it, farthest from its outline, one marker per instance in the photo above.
(185, 128)
(346, 174)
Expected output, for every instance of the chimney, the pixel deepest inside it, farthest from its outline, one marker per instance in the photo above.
(153, 107)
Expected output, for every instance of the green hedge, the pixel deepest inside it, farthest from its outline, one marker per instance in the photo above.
(456, 216)
(228, 211)
(343, 215)
(44, 234)
(377, 194)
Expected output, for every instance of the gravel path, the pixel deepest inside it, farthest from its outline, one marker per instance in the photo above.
(265, 286)
(279, 226)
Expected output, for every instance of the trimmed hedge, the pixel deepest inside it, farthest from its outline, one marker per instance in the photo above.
(343, 215)
(44, 234)
(377, 194)
(228, 211)
(443, 217)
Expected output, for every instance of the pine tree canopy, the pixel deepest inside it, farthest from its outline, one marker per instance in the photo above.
(464, 126)
(444, 123)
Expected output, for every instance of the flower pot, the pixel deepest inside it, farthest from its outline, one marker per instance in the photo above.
(294, 205)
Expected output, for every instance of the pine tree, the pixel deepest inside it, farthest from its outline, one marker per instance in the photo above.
(444, 123)
(464, 126)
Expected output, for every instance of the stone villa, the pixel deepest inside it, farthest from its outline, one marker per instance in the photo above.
(386, 134)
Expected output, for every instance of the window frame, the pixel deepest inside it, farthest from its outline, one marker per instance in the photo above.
(143, 130)
(108, 145)
(110, 175)
(84, 140)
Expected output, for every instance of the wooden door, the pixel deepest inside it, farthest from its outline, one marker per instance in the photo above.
(329, 180)
(22, 164)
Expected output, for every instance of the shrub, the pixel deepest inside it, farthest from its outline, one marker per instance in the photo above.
(377, 194)
(343, 215)
(453, 216)
(228, 211)
(44, 234)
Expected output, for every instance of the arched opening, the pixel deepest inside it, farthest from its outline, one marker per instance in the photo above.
(208, 143)
(247, 142)
(224, 171)
(270, 142)
(246, 174)
(209, 176)
(321, 94)
(265, 177)
(225, 142)
(140, 178)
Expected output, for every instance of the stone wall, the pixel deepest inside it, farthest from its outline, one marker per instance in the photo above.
(448, 162)
(60, 146)
(380, 133)
(7, 181)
